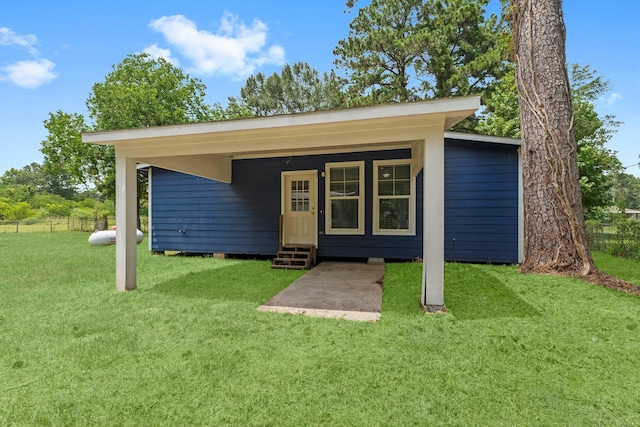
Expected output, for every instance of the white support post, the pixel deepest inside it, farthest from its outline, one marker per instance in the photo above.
(126, 224)
(432, 297)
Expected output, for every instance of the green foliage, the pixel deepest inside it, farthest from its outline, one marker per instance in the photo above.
(82, 212)
(20, 201)
(138, 92)
(501, 114)
(28, 175)
(628, 191)
(20, 210)
(598, 165)
(41, 179)
(66, 154)
(5, 205)
(50, 205)
(298, 88)
(413, 49)
(142, 92)
(627, 242)
(619, 236)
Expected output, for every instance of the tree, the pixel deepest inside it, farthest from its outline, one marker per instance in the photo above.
(629, 187)
(66, 155)
(20, 210)
(555, 237)
(597, 164)
(403, 50)
(36, 176)
(138, 92)
(142, 92)
(298, 88)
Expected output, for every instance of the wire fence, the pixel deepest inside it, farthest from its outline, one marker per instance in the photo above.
(620, 239)
(62, 224)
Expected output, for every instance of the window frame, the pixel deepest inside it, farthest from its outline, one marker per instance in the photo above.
(376, 230)
(361, 206)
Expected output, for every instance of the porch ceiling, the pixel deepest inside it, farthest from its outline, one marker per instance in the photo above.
(366, 128)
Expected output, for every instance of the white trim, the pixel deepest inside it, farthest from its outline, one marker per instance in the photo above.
(376, 231)
(312, 203)
(334, 150)
(452, 109)
(361, 207)
(149, 206)
(520, 209)
(483, 138)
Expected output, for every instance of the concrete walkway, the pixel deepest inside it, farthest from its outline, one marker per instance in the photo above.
(341, 290)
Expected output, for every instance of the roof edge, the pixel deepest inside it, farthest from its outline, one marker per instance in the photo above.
(443, 106)
(483, 138)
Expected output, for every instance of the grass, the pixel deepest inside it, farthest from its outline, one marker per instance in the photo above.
(188, 347)
(620, 267)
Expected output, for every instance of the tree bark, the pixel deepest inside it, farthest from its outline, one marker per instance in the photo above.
(555, 236)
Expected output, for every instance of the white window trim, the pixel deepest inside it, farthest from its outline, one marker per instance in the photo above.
(328, 229)
(376, 201)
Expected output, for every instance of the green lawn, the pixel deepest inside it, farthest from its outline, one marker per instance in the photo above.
(189, 348)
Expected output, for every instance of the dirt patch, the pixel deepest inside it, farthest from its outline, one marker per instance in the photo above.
(606, 280)
(595, 277)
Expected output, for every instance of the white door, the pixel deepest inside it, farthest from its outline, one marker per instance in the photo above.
(299, 195)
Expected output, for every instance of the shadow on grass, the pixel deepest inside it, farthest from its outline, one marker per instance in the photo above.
(248, 281)
(471, 294)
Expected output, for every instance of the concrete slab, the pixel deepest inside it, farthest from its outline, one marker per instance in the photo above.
(344, 290)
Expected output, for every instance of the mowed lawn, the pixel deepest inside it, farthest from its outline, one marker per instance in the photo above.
(189, 348)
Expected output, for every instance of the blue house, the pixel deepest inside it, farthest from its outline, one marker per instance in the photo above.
(373, 182)
(360, 204)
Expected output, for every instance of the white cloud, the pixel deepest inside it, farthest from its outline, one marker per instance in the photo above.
(29, 74)
(611, 99)
(235, 49)
(11, 38)
(157, 52)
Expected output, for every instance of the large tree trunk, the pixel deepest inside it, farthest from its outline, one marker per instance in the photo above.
(555, 237)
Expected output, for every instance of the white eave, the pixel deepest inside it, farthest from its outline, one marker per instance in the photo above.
(399, 116)
(483, 138)
(206, 149)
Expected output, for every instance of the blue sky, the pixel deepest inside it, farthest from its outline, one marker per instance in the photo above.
(51, 53)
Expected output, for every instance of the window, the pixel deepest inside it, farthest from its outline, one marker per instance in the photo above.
(345, 198)
(394, 198)
(300, 196)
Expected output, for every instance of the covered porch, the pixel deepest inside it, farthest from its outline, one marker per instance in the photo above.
(208, 150)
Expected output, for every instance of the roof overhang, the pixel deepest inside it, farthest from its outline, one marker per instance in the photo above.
(206, 149)
(483, 138)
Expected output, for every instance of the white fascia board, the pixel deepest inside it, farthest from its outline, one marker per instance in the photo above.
(453, 107)
(483, 138)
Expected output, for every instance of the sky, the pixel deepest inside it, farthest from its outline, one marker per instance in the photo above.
(52, 53)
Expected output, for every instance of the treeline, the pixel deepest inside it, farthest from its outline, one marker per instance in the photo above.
(32, 193)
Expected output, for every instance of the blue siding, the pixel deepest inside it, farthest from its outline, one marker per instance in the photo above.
(481, 202)
(481, 191)
(242, 217)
